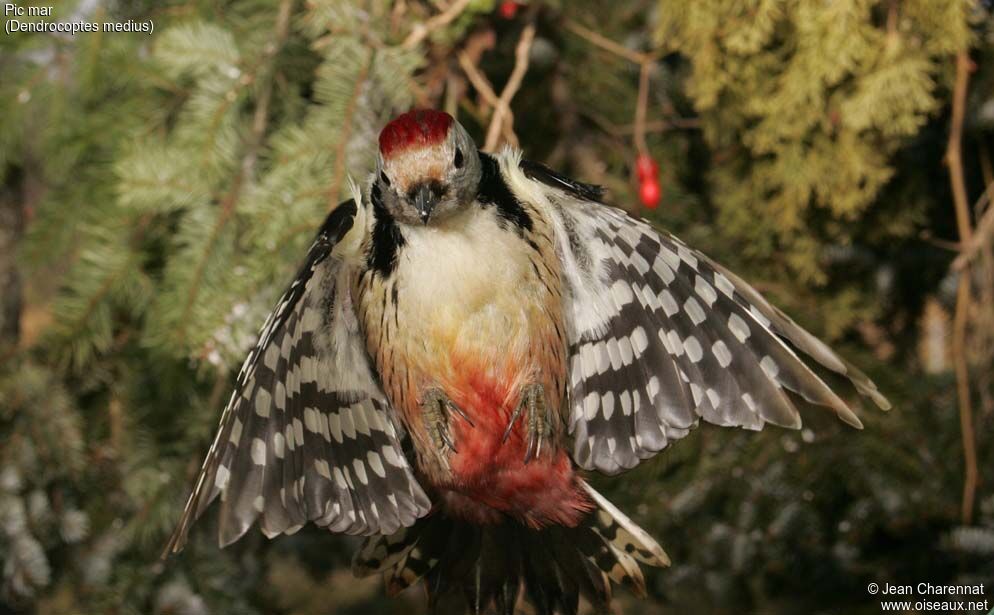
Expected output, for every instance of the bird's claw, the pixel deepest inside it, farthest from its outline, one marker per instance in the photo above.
(537, 420)
(436, 409)
(451, 405)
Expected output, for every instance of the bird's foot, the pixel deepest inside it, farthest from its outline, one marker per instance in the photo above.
(537, 423)
(436, 410)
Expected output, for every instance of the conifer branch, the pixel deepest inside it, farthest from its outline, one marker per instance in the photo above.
(259, 122)
(11, 300)
(210, 140)
(73, 329)
(346, 133)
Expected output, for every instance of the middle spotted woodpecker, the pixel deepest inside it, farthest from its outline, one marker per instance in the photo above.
(466, 337)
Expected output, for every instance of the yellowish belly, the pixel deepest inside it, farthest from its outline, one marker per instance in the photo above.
(480, 298)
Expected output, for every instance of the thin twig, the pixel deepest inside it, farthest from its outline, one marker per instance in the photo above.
(610, 130)
(986, 342)
(892, 21)
(455, 89)
(397, 14)
(942, 244)
(115, 419)
(482, 85)
(503, 107)
(422, 30)
(645, 61)
(607, 44)
(260, 121)
(677, 123)
(346, 133)
(984, 235)
(641, 106)
(479, 81)
(958, 183)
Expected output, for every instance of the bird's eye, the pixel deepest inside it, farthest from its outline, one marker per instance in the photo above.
(458, 160)
(383, 176)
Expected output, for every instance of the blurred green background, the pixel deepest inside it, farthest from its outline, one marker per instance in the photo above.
(157, 191)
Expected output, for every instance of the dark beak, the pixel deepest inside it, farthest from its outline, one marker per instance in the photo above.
(425, 198)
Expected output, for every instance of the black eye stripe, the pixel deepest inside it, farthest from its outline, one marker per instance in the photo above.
(458, 161)
(383, 176)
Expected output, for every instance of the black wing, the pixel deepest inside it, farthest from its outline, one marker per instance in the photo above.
(661, 336)
(554, 179)
(308, 434)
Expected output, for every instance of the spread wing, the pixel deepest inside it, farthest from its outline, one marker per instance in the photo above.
(308, 434)
(661, 336)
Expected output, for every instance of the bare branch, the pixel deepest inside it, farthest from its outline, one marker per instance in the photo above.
(346, 134)
(503, 107)
(676, 123)
(478, 79)
(482, 85)
(607, 44)
(983, 235)
(641, 106)
(955, 162)
(422, 30)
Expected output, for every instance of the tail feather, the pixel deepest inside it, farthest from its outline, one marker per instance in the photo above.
(418, 562)
(384, 553)
(544, 588)
(626, 571)
(616, 528)
(472, 568)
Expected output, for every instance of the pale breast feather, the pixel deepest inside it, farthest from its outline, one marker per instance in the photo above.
(307, 434)
(661, 336)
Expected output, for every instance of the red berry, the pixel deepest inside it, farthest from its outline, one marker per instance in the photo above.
(649, 193)
(646, 167)
(508, 9)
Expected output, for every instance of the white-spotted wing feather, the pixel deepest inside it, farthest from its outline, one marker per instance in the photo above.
(665, 335)
(305, 433)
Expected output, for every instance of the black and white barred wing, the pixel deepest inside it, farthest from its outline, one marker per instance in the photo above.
(661, 336)
(307, 434)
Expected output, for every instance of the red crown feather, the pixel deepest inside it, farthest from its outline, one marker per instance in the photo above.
(417, 127)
